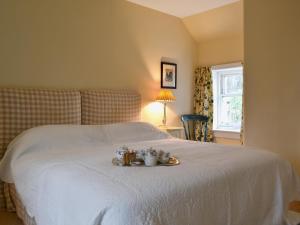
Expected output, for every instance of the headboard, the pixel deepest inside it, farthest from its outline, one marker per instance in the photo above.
(21, 109)
(109, 106)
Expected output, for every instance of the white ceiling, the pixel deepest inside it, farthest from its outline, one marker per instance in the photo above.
(182, 8)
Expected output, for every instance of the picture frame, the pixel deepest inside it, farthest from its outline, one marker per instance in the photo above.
(168, 77)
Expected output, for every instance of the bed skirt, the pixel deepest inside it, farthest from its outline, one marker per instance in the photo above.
(20, 209)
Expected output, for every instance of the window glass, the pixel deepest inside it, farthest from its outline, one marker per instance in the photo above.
(228, 90)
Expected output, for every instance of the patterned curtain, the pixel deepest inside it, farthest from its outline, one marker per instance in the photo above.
(203, 98)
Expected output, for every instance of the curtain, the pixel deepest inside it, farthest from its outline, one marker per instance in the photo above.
(203, 99)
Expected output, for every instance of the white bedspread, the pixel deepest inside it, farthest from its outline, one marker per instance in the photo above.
(64, 176)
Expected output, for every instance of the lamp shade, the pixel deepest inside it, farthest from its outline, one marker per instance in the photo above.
(165, 96)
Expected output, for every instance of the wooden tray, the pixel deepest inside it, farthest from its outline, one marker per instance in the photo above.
(173, 161)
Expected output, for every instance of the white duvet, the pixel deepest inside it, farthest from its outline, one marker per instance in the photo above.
(64, 176)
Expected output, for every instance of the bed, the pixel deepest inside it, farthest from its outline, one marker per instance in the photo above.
(62, 174)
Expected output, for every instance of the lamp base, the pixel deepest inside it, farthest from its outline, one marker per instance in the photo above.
(164, 121)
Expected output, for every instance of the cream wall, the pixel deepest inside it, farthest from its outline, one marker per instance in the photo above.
(95, 44)
(221, 51)
(219, 34)
(272, 77)
(220, 40)
(227, 141)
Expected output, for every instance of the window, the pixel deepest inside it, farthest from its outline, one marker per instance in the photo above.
(228, 91)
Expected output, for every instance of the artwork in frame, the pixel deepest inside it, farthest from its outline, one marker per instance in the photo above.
(168, 77)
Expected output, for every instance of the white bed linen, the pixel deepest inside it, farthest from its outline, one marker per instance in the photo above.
(64, 176)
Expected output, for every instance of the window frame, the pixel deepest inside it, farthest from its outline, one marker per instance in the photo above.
(217, 97)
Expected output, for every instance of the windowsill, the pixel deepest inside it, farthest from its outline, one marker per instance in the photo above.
(226, 134)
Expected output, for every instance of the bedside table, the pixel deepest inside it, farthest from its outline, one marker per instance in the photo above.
(177, 132)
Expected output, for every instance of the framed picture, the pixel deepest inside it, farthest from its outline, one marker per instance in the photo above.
(168, 77)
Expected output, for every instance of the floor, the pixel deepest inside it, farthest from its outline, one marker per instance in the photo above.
(294, 218)
(295, 206)
(11, 218)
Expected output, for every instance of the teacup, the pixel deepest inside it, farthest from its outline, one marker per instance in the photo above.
(163, 157)
(120, 153)
(140, 155)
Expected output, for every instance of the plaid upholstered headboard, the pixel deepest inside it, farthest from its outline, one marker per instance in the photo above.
(21, 109)
(109, 106)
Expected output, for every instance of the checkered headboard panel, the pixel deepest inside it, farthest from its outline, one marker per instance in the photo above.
(110, 106)
(21, 109)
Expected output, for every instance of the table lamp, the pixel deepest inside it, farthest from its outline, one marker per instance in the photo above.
(164, 97)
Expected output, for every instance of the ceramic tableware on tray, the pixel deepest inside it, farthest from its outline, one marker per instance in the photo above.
(173, 161)
(124, 156)
(120, 152)
(149, 157)
(163, 157)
